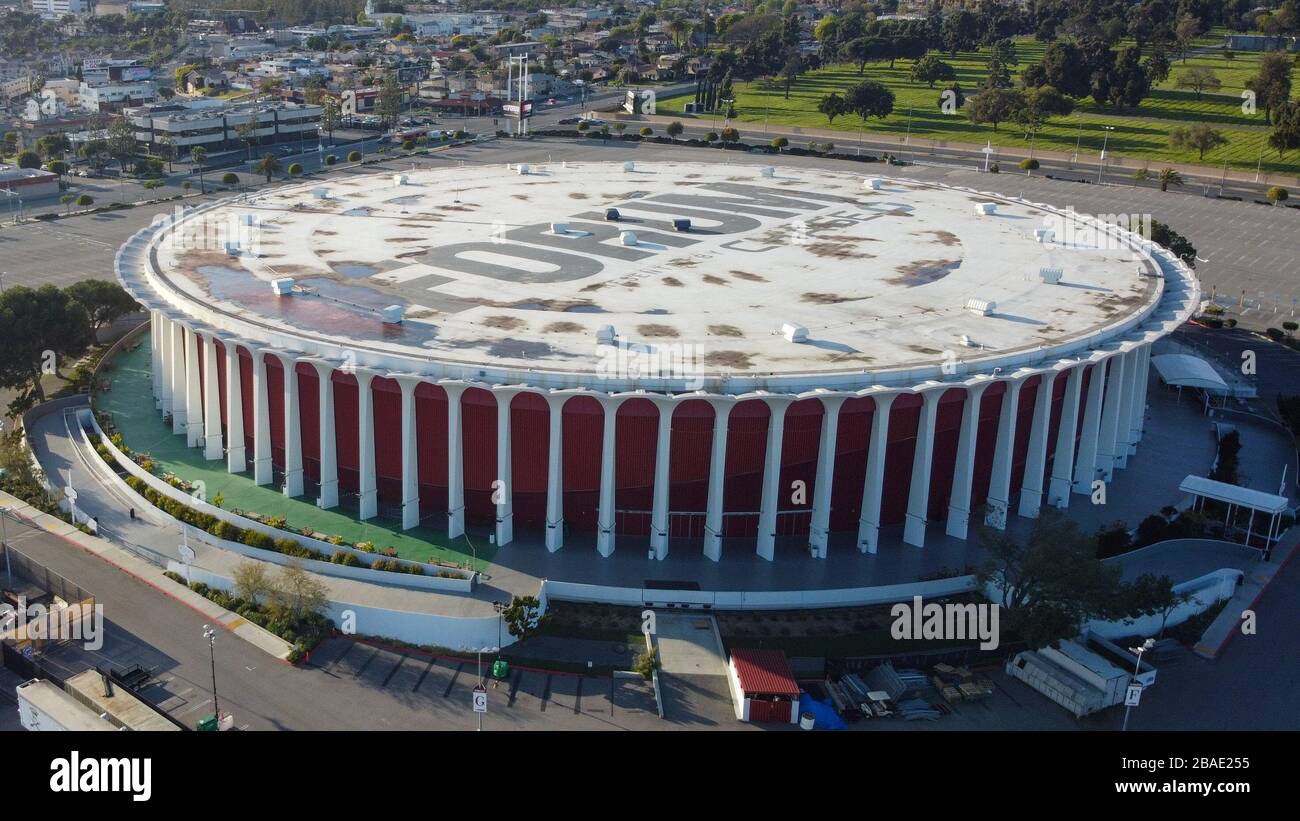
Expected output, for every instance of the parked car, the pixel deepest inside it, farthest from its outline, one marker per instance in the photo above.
(570, 121)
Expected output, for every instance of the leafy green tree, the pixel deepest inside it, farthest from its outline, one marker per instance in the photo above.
(298, 595)
(930, 69)
(1199, 79)
(523, 618)
(675, 129)
(869, 99)
(105, 302)
(994, 105)
(1200, 137)
(37, 328)
(1167, 177)
(1272, 83)
(388, 106)
(1050, 583)
(1179, 245)
(29, 159)
(1152, 595)
(832, 105)
(121, 142)
(1277, 194)
(330, 116)
(253, 583)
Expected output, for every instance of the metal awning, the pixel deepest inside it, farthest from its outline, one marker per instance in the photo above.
(1269, 503)
(1187, 371)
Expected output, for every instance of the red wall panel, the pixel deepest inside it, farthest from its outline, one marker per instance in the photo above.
(530, 447)
(431, 446)
(346, 433)
(746, 451)
(479, 452)
(584, 422)
(309, 419)
(692, 449)
(246, 395)
(387, 397)
(904, 416)
(851, 444)
(986, 442)
(275, 406)
(943, 460)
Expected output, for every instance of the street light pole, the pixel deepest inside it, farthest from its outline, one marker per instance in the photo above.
(211, 635)
(1137, 668)
(1101, 161)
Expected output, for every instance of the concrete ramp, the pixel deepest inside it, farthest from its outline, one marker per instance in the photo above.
(692, 671)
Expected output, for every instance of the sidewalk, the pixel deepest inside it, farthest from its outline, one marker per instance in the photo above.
(150, 574)
(1229, 621)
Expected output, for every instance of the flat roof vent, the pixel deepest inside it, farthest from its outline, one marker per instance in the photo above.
(627, 238)
(398, 179)
(874, 183)
(982, 307)
(523, 169)
(559, 228)
(324, 193)
(629, 166)
(985, 209)
(794, 333)
(1044, 234)
(392, 315)
(282, 286)
(1050, 275)
(767, 171)
(605, 335)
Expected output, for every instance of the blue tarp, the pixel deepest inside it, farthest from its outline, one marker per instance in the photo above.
(824, 715)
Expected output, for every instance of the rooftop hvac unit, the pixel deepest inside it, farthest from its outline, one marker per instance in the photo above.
(282, 286)
(523, 169)
(681, 225)
(324, 193)
(398, 179)
(874, 183)
(629, 166)
(965, 341)
(1050, 275)
(627, 238)
(605, 335)
(794, 333)
(767, 171)
(559, 228)
(985, 209)
(1044, 234)
(983, 307)
(392, 315)
(232, 249)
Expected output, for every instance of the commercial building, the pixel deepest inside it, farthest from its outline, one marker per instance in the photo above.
(216, 127)
(734, 361)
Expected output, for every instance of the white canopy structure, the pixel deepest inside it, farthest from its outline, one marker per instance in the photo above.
(1186, 371)
(1235, 496)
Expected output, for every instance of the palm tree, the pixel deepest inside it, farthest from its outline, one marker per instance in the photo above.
(268, 165)
(199, 155)
(1168, 177)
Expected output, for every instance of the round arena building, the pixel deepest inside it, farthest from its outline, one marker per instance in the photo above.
(723, 359)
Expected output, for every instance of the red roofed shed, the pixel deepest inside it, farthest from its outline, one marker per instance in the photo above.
(763, 687)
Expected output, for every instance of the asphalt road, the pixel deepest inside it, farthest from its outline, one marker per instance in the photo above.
(346, 686)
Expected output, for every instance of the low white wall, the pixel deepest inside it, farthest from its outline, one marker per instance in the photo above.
(415, 628)
(1205, 592)
(464, 584)
(758, 600)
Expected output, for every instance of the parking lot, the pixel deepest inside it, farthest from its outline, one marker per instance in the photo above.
(441, 688)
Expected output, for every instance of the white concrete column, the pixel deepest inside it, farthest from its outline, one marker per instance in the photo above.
(874, 485)
(155, 357)
(503, 493)
(820, 526)
(212, 445)
(261, 420)
(193, 391)
(329, 457)
(410, 452)
(455, 463)
(293, 473)
(964, 472)
(1108, 438)
(1130, 408)
(176, 353)
(166, 341)
(770, 502)
(659, 497)
(1085, 464)
(717, 478)
(1031, 488)
(1058, 492)
(236, 458)
(1137, 423)
(605, 514)
(998, 504)
(555, 472)
(918, 495)
(367, 485)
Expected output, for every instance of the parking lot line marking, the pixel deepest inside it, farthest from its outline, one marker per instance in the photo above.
(577, 698)
(393, 671)
(329, 668)
(452, 683)
(514, 688)
(546, 691)
(420, 680)
(365, 664)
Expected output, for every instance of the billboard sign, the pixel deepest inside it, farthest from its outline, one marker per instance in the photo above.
(514, 110)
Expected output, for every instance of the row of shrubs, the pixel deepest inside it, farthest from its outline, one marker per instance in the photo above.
(249, 537)
(303, 633)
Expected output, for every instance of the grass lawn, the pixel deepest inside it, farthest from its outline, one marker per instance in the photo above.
(1140, 134)
(130, 402)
